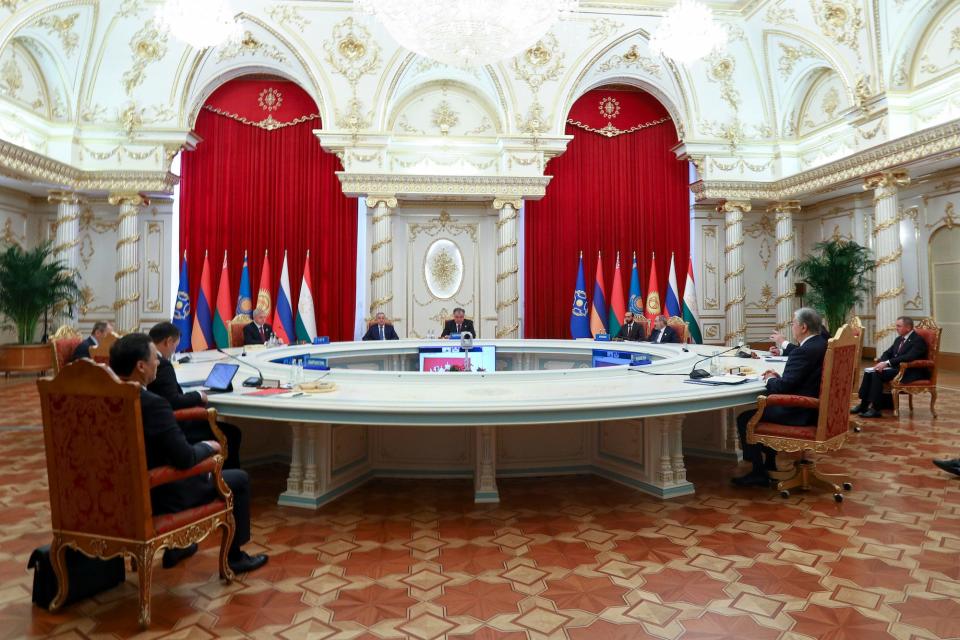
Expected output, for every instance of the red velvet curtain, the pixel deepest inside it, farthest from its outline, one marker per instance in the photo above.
(248, 188)
(626, 192)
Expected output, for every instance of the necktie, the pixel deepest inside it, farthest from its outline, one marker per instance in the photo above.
(458, 328)
(660, 336)
(263, 335)
(900, 348)
(381, 333)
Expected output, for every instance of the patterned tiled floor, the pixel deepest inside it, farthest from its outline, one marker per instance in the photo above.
(575, 557)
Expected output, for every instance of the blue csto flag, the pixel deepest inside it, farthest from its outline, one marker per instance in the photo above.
(244, 298)
(579, 323)
(635, 304)
(182, 309)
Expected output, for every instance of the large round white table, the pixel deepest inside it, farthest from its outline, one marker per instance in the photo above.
(545, 408)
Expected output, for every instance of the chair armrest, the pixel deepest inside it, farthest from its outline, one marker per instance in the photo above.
(917, 364)
(204, 413)
(165, 475)
(798, 402)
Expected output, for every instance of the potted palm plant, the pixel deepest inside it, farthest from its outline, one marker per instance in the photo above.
(32, 282)
(837, 274)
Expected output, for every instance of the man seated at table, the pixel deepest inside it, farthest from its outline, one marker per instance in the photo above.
(258, 331)
(906, 348)
(458, 325)
(662, 332)
(801, 377)
(135, 358)
(381, 329)
(100, 331)
(630, 331)
(166, 337)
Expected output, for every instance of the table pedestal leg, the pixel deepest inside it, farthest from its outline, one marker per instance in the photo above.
(485, 475)
(308, 484)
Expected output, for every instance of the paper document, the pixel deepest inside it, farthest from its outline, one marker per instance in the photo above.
(776, 358)
(868, 369)
(720, 380)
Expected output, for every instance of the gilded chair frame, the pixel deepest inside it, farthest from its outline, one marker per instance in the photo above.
(897, 386)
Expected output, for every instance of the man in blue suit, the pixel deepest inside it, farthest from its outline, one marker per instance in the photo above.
(380, 329)
(801, 376)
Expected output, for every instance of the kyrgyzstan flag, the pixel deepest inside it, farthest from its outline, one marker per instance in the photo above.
(598, 311)
(264, 300)
(202, 335)
(653, 293)
(222, 314)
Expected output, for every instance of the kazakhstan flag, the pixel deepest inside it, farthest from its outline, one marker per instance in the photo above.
(635, 304)
(579, 324)
(244, 299)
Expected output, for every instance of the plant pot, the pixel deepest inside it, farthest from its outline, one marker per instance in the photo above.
(32, 358)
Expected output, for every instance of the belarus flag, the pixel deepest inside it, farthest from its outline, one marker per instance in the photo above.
(221, 316)
(283, 318)
(202, 335)
(306, 317)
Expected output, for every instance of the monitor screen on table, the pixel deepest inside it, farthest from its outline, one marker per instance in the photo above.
(445, 358)
(611, 358)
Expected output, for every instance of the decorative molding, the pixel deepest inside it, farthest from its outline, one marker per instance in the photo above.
(467, 187)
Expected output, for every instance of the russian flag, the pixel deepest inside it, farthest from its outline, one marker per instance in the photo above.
(598, 312)
(283, 316)
(202, 335)
(672, 302)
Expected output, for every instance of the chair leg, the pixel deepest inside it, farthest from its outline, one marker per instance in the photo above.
(933, 401)
(226, 539)
(910, 400)
(145, 574)
(832, 481)
(896, 402)
(58, 553)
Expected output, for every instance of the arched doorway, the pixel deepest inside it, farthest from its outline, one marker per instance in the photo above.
(945, 286)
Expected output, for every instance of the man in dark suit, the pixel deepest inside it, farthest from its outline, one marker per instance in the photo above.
(100, 331)
(662, 332)
(801, 377)
(458, 325)
(166, 337)
(906, 348)
(380, 329)
(134, 357)
(258, 331)
(630, 331)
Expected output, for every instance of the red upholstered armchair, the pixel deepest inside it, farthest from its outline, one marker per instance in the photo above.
(930, 332)
(828, 434)
(100, 485)
(63, 349)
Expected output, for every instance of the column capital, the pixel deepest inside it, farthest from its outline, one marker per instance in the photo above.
(500, 202)
(64, 197)
(388, 200)
(886, 179)
(729, 206)
(784, 206)
(129, 198)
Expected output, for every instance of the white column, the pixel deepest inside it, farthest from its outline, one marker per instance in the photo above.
(485, 471)
(66, 244)
(888, 296)
(128, 261)
(733, 226)
(508, 291)
(295, 477)
(783, 214)
(381, 254)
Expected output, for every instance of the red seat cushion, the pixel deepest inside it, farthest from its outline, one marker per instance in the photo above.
(785, 431)
(170, 521)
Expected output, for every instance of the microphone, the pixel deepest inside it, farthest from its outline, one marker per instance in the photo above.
(698, 374)
(252, 381)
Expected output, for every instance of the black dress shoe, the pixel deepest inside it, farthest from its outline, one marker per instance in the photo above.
(245, 563)
(858, 409)
(950, 466)
(172, 557)
(871, 413)
(752, 479)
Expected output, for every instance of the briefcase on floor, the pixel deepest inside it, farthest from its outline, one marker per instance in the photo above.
(87, 576)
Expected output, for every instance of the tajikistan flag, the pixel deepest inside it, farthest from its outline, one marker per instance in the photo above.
(306, 318)
(283, 316)
(691, 312)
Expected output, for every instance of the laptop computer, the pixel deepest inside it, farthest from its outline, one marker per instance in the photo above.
(220, 379)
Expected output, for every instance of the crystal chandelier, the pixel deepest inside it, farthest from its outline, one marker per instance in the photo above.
(688, 33)
(199, 23)
(467, 33)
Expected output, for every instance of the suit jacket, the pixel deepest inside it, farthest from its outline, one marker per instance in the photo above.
(83, 349)
(450, 326)
(634, 334)
(669, 335)
(167, 387)
(824, 333)
(373, 333)
(801, 377)
(166, 444)
(914, 348)
(251, 334)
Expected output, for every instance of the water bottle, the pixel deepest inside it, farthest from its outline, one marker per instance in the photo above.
(298, 370)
